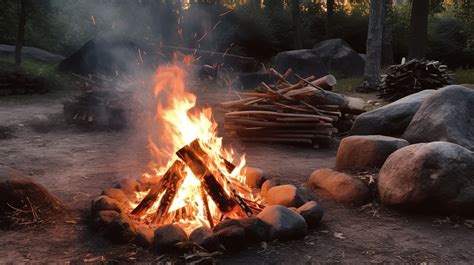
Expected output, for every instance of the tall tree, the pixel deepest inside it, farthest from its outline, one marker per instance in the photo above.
(418, 28)
(373, 63)
(329, 15)
(20, 39)
(296, 15)
(387, 50)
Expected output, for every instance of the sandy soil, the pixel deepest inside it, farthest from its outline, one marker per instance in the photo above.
(76, 165)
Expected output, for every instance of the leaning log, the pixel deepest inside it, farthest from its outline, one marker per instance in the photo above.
(172, 174)
(209, 182)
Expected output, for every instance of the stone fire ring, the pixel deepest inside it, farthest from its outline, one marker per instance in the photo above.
(287, 216)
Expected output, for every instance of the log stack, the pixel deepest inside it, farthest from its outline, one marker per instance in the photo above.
(303, 112)
(413, 76)
(18, 83)
(102, 103)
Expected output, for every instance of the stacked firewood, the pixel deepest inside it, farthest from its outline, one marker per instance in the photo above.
(102, 103)
(18, 83)
(402, 80)
(303, 112)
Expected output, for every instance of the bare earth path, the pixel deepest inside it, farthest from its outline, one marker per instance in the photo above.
(76, 165)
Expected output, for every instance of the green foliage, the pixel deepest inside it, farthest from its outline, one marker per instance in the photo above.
(347, 85)
(56, 81)
(464, 76)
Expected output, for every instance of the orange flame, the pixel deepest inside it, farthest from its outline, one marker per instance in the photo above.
(177, 124)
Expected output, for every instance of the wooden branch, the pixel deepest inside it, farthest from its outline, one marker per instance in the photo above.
(209, 182)
(173, 173)
(326, 82)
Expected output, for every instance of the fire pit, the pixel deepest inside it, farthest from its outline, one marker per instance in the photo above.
(194, 185)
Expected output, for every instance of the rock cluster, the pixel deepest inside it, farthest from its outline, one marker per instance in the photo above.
(110, 218)
(430, 169)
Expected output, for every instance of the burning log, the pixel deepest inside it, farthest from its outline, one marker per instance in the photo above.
(197, 159)
(171, 180)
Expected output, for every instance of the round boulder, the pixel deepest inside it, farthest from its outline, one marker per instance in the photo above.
(312, 213)
(204, 237)
(105, 203)
(254, 177)
(286, 195)
(285, 223)
(437, 175)
(269, 183)
(366, 151)
(167, 236)
(339, 186)
(391, 119)
(447, 115)
(120, 230)
(145, 237)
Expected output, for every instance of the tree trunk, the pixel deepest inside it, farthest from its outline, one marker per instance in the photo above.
(296, 14)
(21, 7)
(329, 15)
(387, 50)
(418, 29)
(373, 63)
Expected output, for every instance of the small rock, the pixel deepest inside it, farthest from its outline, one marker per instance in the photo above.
(129, 185)
(145, 237)
(285, 223)
(286, 195)
(366, 151)
(121, 230)
(312, 213)
(256, 230)
(167, 236)
(231, 237)
(269, 184)
(339, 186)
(254, 177)
(204, 237)
(104, 203)
(116, 194)
(103, 219)
(226, 223)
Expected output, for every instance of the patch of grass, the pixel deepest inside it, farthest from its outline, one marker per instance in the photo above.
(56, 81)
(347, 85)
(464, 76)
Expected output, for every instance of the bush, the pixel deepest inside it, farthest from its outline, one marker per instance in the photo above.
(447, 41)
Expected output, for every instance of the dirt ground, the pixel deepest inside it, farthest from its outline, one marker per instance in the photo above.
(76, 165)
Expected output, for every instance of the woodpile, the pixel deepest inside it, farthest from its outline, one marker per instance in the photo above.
(304, 112)
(102, 103)
(402, 80)
(18, 83)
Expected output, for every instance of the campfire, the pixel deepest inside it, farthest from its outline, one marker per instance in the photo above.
(195, 180)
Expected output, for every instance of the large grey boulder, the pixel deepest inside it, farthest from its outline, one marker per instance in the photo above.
(366, 151)
(447, 115)
(437, 175)
(340, 59)
(285, 223)
(31, 53)
(303, 62)
(392, 119)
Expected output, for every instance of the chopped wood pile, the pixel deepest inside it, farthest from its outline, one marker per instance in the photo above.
(402, 80)
(102, 103)
(17, 83)
(303, 112)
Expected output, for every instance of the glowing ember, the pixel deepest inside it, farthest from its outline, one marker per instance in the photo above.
(176, 124)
